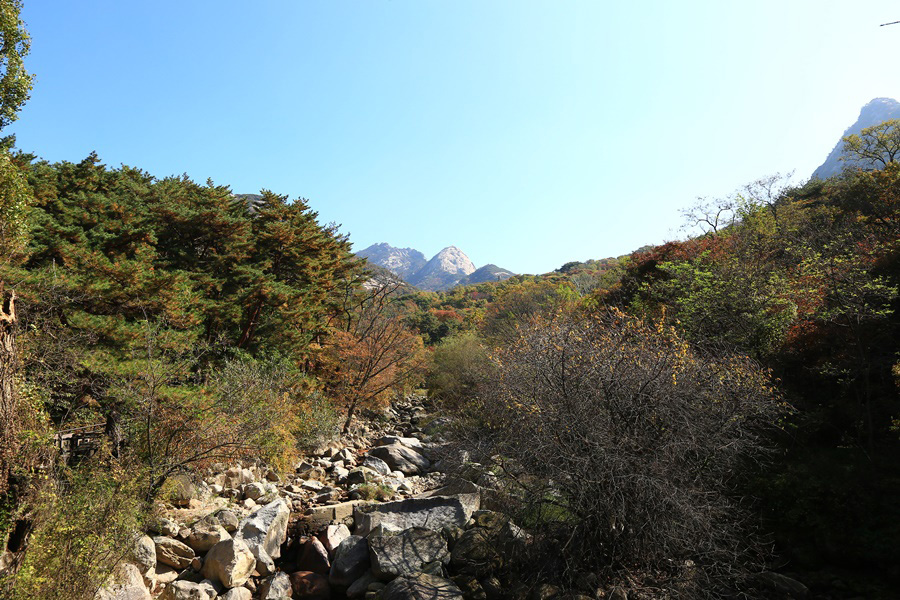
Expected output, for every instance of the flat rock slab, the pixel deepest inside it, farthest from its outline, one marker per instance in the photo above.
(431, 513)
(173, 553)
(401, 458)
(320, 516)
(422, 587)
(406, 553)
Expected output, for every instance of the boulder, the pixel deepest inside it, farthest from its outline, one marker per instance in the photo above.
(230, 562)
(409, 442)
(264, 532)
(324, 515)
(254, 491)
(421, 587)
(126, 583)
(310, 586)
(166, 527)
(205, 534)
(238, 593)
(476, 553)
(359, 587)
(376, 464)
(468, 494)
(314, 557)
(228, 520)
(182, 489)
(351, 560)
(433, 513)
(276, 587)
(143, 553)
(332, 536)
(406, 552)
(188, 590)
(401, 458)
(172, 552)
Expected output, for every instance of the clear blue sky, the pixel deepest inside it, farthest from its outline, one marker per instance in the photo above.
(527, 133)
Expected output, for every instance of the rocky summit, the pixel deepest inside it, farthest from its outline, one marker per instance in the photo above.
(873, 113)
(447, 268)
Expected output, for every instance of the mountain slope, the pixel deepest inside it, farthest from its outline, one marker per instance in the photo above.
(444, 270)
(873, 113)
(404, 262)
(486, 273)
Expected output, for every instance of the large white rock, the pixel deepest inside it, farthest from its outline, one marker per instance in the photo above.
(230, 562)
(238, 593)
(432, 512)
(276, 587)
(125, 584)
(264, 532)
(188, 590)
(401, 458)
(144, 553)
(172, 552)
(205, 534)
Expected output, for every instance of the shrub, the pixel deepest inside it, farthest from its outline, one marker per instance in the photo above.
(623, 446)
(83, 524)
(458, 365)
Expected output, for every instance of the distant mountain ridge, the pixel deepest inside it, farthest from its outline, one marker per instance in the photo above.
(873, 113)
(446, 269)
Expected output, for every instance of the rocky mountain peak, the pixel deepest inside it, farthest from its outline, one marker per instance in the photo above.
(874, 112)
(446, 269)
(452, 260)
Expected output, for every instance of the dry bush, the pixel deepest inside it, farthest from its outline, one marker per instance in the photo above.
(83, 523)
(622, 446)
(459, 364)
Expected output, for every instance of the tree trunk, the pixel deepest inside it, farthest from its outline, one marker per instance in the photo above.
(9, 365)
(350, 411)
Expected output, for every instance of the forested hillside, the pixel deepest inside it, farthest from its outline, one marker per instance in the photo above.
(716, 417)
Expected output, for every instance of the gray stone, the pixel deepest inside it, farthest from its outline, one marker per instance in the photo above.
(433, 513)
(230, 562)
(401, 458)
(264, 532)
(172, 552)
(166, 527)
(254, 491)
(205, 534)
(238, 593)
(188, 590)
(359, 587)
(182, 489)
(332, 536)
(421, 587)
(406, 552)
(409, 442)
(144, 553)
(376, 464)
(351, 560)
(126, 583)
(324, 515)
(228, 520)
(276, 587)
